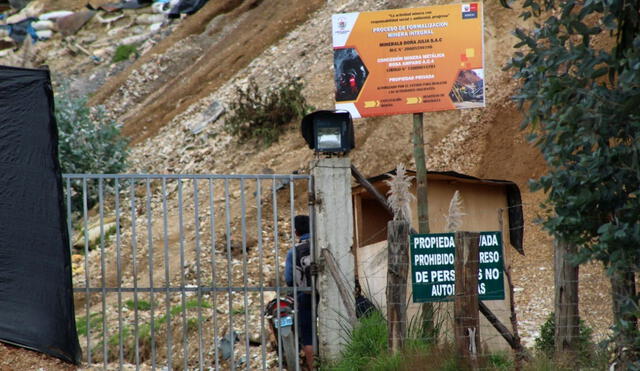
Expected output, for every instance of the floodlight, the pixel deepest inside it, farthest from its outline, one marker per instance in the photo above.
(329, 131)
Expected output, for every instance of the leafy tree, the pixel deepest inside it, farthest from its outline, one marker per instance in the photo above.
(88, 142)
(579, 70)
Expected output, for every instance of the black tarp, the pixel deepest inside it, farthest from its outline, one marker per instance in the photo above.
(186, 7)
(36, 298)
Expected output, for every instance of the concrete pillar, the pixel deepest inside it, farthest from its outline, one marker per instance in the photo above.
(334, 232)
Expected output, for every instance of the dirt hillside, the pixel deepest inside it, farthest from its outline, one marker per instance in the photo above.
(482, 142)
(165, 98)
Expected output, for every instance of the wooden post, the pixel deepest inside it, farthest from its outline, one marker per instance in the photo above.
(566, 298)
(421, 173)
(520, 352)
(466, 315)
(427, 313)
(397, 268)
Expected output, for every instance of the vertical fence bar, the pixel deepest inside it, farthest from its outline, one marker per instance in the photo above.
(214, 295)
(87, 299)
(103, 282)
(119, 273)
(312, 251)
(274, 202)
(185, 339)
(150, 255)
(230, 334)
(263, 349)
(296, 305)
(167, 282)
(134, 253)
(198, 271)
(245, 278)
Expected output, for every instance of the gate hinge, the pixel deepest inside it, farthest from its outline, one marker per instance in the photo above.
(316, 268)
(313, 200)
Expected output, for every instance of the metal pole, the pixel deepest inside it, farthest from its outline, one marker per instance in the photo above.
(214, 295)
(196, 210)
(245, 279)
(105, 356)
(134, 253)
(167, 283)
(119, 275)
(183, 296)
(261, 268)
(150, 262)
(229, 272)
(274, 202)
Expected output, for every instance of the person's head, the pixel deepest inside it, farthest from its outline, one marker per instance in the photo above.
(301, 224)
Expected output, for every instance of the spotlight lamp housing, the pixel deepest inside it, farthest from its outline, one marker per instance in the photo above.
(329, 132)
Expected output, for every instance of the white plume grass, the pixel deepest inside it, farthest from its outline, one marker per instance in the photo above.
(454, 219)
(399, 195)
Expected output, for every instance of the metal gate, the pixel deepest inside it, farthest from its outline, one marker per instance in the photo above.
(175, 271)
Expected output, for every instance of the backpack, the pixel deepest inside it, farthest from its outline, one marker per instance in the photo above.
(302, 275)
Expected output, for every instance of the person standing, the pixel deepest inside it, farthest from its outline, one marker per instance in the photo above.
(299, 271)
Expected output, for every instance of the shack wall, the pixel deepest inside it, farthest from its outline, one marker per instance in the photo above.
(481, 204)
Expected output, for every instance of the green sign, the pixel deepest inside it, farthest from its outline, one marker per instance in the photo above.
(432, 267)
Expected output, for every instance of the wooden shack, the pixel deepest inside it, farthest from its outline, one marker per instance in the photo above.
(489, 205)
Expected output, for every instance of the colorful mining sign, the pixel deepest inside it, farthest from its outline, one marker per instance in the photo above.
(432, 267)
(409, 60)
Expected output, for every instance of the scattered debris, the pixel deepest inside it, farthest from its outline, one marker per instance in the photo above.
(70, 24)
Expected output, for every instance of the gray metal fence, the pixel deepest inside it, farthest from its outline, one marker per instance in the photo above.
(175, 271)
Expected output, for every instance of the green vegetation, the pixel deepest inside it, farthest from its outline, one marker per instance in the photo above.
(368, 342)
(142, 304)
(124, 52)
(263, 115)
(94, 324)
(579, 74)
(367, 350)
(89, 142)
(586, 349)
(160, 326)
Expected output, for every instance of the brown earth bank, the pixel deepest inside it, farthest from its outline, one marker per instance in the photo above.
(19, 359)
(167, 91)
(247, 28)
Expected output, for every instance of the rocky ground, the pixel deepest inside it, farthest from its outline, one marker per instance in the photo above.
(187, 71)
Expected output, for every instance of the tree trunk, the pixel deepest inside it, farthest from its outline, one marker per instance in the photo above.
(397, 268)
(566, 299)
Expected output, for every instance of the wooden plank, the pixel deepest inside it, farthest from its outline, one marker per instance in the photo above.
(348, 298)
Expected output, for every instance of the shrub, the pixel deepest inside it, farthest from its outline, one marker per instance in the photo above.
(83, 327)
(141, 305)
(545, 343)
(263, 115)
(124, 52)
(88, 141)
